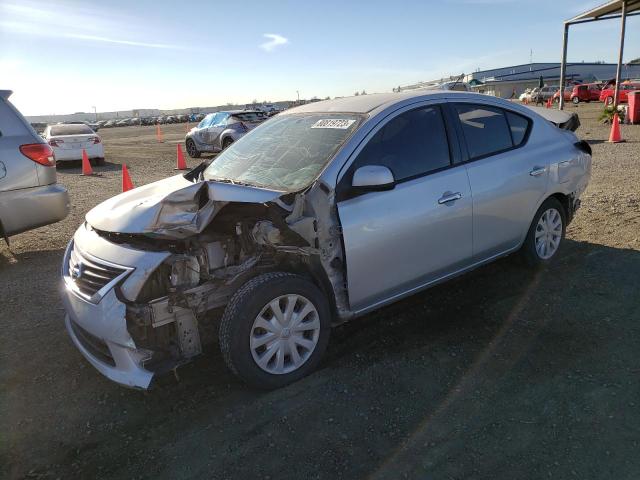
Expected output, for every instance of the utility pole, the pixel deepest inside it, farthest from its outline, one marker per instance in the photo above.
(95, 112)
(298, 93)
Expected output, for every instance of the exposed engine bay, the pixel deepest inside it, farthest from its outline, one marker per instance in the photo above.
(218, 246)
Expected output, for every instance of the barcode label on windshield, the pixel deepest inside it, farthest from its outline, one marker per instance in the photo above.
(341, 123)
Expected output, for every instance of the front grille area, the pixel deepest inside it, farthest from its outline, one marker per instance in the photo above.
(93, 344)
(90, 275)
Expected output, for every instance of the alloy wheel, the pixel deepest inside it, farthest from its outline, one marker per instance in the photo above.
(284, 334)
(548, 233)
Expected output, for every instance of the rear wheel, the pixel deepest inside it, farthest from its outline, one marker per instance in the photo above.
(100, 161)
(545, 234)
(192, 150)
(275, 329)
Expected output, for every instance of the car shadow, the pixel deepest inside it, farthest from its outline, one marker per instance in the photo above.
(490, 360)
(75, 166)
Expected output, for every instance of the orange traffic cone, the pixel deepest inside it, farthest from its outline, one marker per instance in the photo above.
(159, 134)
(615, 136)
(127, 184)
(181, 164)
(86, 164)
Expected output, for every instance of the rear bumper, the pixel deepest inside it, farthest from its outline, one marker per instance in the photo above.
(64, 155)
(28, 208)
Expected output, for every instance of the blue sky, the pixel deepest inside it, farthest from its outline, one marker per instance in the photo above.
(67, 56)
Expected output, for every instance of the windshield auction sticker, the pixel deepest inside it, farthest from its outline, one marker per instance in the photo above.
(341, 123)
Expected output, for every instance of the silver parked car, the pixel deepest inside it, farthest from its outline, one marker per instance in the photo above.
(29, 194)
(323, 213)
(218, 130)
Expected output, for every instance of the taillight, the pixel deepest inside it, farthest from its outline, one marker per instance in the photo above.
(54, 142)
(95, 140)
(40, 153)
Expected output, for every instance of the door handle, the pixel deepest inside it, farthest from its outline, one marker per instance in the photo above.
(537, 171)
(449, 197)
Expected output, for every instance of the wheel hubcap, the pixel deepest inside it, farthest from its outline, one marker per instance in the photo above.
(548, 233)
(284, 334)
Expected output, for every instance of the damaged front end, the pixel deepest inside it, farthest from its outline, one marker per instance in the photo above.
(213, 237)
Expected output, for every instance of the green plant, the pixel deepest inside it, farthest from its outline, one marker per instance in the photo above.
(607, 115)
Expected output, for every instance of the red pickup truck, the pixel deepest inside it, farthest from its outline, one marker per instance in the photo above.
(606, 95)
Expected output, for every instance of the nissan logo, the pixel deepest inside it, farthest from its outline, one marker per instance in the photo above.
(77, 270)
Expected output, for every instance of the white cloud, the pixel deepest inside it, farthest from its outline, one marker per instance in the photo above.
(37, 18)
(275, 41)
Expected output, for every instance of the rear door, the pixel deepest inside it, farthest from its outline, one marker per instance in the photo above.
(507, 180)
(401, 239)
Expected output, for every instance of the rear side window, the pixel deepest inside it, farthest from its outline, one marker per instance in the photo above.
(519, 126)
(490, 130)
(411, 144)
(69, 130)
(485, 129)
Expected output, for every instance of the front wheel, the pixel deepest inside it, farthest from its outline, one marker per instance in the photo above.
(575, 100)
(275, 329)
(608, 101)
(545, 234)
(192, 150)
(227, 141)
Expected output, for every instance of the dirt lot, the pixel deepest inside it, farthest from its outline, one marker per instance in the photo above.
(503, 373)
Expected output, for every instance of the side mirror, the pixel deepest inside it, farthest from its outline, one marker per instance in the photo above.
(373, 177)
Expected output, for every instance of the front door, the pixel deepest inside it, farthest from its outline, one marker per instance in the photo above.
(401, 239)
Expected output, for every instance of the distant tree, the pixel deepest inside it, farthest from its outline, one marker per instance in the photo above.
(254, 101)
(357, 93)
(635, 61)
(363, 92)
(327, 97)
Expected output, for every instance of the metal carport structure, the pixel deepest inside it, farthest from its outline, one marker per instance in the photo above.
(614, 9)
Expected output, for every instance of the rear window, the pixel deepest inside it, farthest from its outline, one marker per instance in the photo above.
(248, 116)
(70, 130)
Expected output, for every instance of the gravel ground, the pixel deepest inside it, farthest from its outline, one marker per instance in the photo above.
(502, 373)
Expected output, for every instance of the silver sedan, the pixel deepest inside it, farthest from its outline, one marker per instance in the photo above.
(322, 214)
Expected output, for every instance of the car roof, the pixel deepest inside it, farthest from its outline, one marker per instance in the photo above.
(376, 101)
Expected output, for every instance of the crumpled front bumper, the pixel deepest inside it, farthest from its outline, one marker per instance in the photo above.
(97, 325)
(100, 333)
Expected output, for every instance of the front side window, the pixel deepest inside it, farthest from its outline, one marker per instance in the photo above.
(413, 143)
(286, 153)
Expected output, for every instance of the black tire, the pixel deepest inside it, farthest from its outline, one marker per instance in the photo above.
(608, 101)
(226, 142)
(241, 311)
(575, 100)
(192, 150)
(100, 161)
(528, 251)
